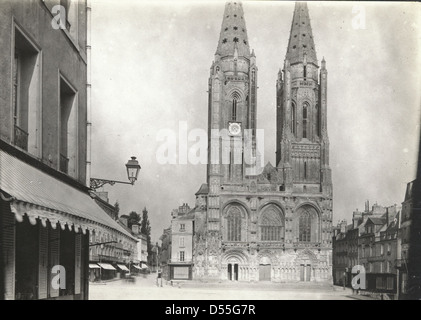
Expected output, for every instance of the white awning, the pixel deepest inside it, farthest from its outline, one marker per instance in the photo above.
(123, 267)
(94, 266)
(44, 197)
(136, 266)
(144, 266)
(106, 266)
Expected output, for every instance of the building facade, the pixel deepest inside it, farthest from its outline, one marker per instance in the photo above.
(404, 241)
(272, 224)
(177, 245)
(371, 242)
(182, 228)
(111, 257)
(47, 213)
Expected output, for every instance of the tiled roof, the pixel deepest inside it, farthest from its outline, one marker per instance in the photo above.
(377, 221)
(204, 189)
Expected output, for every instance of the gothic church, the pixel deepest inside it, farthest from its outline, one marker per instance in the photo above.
(275, 225)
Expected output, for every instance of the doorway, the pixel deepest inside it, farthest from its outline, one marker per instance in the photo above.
(264, 272)
(305, 272)
(233, 272)
(27, 248)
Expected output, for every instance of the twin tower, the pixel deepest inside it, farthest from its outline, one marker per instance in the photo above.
(270, 225)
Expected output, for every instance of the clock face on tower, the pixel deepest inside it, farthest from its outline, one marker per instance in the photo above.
(234, 128)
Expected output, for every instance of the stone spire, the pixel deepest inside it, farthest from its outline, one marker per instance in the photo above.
(233, 32)
(301, 44)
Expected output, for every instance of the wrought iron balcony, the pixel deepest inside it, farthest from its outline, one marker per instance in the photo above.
(64, 163)
(20, 138)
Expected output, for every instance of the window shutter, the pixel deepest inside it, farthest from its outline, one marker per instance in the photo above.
(43, 263)
(8, 239)
(54, 240)
(78, 255)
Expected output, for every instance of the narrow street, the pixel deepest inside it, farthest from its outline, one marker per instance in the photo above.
(146, 289)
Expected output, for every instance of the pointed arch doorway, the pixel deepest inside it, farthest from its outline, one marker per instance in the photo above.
(265, 269)
(306, 261)
(305, 271)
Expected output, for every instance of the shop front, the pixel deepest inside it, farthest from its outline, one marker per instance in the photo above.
(45, 225)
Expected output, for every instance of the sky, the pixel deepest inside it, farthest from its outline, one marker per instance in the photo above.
(150, 68)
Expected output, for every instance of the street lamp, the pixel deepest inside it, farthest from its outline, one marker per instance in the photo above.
(133, 169)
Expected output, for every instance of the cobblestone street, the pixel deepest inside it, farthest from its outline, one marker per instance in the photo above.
(146, 289)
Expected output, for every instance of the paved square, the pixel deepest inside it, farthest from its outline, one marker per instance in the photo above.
(146, 289)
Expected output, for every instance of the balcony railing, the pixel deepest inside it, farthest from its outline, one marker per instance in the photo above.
(64, 163)
(20, 138)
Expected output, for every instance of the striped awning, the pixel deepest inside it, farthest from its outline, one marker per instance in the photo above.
(106, 266)
(41, 196)
(122, 267)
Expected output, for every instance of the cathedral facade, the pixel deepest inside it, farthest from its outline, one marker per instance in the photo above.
(273, 224)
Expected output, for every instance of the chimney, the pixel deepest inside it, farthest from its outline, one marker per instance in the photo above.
(343, 226)
(123, 220)
(135, 228)
(391, 213)
(355, 220)
(182, 210)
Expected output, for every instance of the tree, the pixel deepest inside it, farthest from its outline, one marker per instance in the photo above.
(134, 218)
(117, 209)
(145, 228)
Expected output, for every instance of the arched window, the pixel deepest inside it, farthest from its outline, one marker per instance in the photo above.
(271, 226)
(248, 110)
(305, 72)
(293, 119)
(234, 224)
(305, 170)
(307, 224)
(305, 114)
(234, 110)
(235, 96)
(317, 116)
(305, 227)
